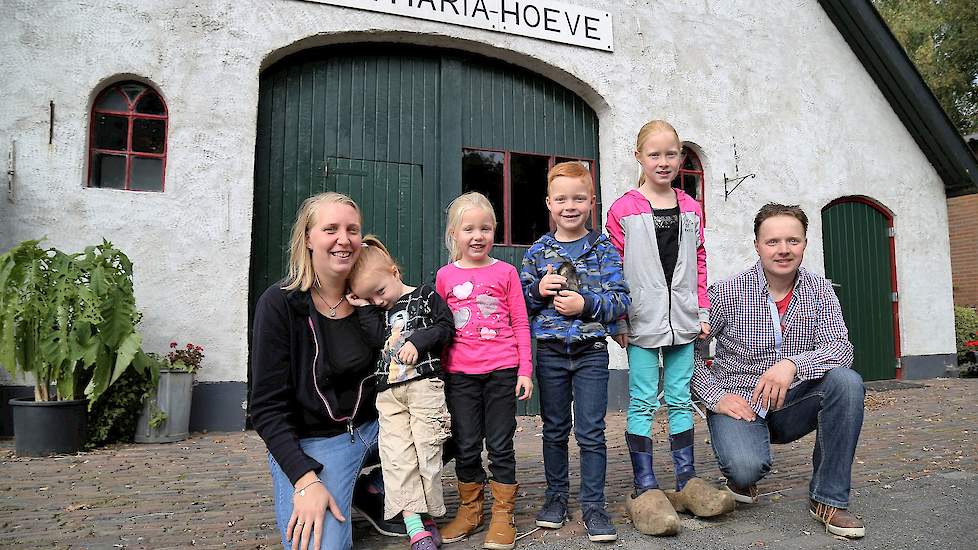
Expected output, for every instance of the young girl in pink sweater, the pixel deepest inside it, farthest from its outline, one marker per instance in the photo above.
(488, 365)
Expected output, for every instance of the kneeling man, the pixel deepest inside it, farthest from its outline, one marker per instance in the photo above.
(782, 368)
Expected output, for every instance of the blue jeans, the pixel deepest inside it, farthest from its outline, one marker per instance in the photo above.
(832, 405)
(580, 377)
(643, 387)
(342, 462)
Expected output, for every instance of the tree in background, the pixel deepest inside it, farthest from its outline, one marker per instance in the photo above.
(941, 38)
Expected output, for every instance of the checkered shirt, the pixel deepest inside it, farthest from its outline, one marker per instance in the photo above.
(815, 336)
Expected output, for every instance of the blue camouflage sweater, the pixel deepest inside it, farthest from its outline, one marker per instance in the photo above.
(597, 273)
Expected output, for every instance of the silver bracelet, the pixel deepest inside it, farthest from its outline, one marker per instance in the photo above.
(302, 492)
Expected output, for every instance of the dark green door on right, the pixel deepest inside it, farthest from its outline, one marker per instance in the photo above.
(858, 262)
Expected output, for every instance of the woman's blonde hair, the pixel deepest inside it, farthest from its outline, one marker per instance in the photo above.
(301, 273)
(373, 256)
(462, 204)
(652, 127)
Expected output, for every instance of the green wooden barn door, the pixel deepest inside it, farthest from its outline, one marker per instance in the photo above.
(355, 121)
(857, 260)
(533, 122)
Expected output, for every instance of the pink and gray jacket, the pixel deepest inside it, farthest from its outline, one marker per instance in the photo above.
(660, 315)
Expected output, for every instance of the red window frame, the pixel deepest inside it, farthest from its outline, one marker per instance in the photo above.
(508, 189)
(131, 116)
(698, 172)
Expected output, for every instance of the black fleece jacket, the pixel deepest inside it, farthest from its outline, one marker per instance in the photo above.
(289, 364)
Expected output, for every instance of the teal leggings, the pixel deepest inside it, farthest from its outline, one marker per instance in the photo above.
(643, 387)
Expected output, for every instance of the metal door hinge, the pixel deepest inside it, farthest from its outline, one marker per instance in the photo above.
(894, 297)
(891, 231)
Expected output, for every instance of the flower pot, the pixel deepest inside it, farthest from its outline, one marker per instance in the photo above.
(43, 428)
(173, 397)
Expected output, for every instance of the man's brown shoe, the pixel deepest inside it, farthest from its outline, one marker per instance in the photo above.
(838, 521)
(746, 495)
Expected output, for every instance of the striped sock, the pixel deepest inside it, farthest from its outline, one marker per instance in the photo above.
(413, 524)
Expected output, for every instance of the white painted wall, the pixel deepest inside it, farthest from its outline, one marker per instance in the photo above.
(777, 79)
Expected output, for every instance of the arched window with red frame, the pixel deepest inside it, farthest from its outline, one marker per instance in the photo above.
(690, 178)
(127, 138)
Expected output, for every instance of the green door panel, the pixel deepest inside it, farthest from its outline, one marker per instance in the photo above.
(389, 195)
(857, 260)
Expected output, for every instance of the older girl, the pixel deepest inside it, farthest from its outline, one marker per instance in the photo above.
(659, 232)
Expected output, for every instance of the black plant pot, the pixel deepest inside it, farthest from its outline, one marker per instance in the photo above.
(43, 428)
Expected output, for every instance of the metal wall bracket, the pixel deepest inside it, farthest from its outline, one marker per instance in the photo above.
(11, 156)
(737, 179)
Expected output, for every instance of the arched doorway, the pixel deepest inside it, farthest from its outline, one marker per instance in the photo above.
(404, 130)
(859, 260)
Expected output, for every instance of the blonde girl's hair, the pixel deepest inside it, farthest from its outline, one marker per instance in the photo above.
(373, 256)
(301, 273)
(462, 204)
(652, 127)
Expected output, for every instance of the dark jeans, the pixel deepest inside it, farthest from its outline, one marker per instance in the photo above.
(832, 405)
(581, 377)
(483, 408)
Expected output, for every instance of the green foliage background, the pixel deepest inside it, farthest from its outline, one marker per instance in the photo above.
(965, 327)
(941, 38)
(113, 418)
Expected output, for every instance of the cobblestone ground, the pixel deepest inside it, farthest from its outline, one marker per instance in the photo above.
(212, 490)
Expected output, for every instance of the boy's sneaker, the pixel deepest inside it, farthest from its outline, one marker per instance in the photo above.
(554, 512)
(746, 495)
(371, 506)
(423, 541)
(598, 525)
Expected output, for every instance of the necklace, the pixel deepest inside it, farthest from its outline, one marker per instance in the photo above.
(332, 308)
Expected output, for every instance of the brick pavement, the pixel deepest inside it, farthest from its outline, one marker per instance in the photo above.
(212, 490)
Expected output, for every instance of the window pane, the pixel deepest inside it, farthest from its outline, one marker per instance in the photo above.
(530, 217)
(112, 100)
(482, 171)
(691, 162)
(690, 183)
(147, 174)
(111, 132)
(132, 89)
(108, 171)
(148, 135)
(150, 104)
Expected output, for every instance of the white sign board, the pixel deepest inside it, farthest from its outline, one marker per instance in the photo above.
(543, 19)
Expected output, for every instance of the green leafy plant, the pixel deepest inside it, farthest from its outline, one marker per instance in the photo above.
(68, 320)
(155, 363)
(115, 416)
(158, 418)
(965, 329)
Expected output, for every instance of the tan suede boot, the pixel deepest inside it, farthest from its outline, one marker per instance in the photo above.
(502, 526)
(468, 519)
(652, 514)
(701, 499)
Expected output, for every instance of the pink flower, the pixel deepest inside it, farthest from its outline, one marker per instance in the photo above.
(173, 344)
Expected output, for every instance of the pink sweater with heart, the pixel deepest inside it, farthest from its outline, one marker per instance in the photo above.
(492, 331)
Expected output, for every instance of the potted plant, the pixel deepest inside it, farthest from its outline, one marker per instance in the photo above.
(166, 411)
(69, 322)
